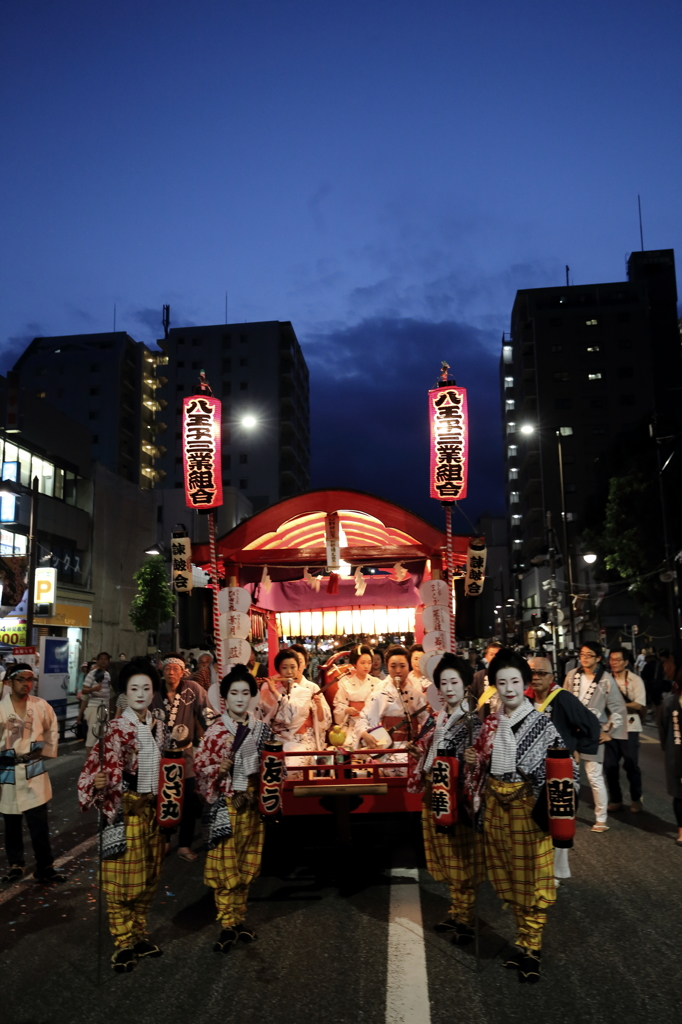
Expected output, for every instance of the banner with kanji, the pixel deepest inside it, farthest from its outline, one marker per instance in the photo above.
(181, 563)
(476, 560)
(449, 442)
(201, 452)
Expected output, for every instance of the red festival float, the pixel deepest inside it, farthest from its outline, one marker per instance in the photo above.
(347, 567)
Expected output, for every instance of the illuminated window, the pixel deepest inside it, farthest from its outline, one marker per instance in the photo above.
(511, 427)
(517, 540)
(513, 474)
(594, 376)
(514, 497)
(565, 431)
(507, 353)
(562, 375)
(509, 382)
(511, 451)
(509, 404)
(516, 517)
(593, 348)
(590, 323)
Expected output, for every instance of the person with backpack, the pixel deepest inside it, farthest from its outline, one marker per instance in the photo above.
(597, 690)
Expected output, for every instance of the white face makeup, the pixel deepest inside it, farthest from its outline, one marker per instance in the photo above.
(451, 687)
(139, 692)
(238, 697)
(510, 687)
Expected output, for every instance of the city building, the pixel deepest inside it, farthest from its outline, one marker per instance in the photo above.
(259, 372)
(107, 383)
(92, 526)
(583, 365)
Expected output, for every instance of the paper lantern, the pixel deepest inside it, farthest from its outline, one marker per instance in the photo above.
(449, 442)
(235, 624)
(444, 791)
(437, 618)
(171, 789)
(435, 592)
(234, 599)
(427, 664)
(436, 642)
(560, 796)
(236, 651)
(201, 456)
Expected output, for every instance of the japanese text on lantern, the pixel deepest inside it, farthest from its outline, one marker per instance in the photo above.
(448, 418)
(201, 452)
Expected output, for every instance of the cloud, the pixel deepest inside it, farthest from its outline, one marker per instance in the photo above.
(12, 348)
(369, 424)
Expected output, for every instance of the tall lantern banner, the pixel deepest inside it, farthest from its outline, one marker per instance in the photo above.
(475, 574)
(332, 536)
(181, 562)
(201, 426)
(449, 442)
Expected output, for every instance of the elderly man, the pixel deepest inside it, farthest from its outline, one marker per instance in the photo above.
(634, 694)
(205, 672)
(28, 734)
(578, 728)
(598, 692)
(184, 705)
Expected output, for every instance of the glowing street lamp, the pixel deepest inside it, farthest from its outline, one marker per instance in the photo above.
(249, 421)
(527, 428)
(590, 558)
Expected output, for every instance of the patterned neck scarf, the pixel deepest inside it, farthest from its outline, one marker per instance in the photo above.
(149, 757)
(503, 760)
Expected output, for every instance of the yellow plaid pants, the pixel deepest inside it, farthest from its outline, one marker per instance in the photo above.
(233, 864)
(450, 859)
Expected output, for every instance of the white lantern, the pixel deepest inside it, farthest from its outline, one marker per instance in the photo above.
(427, 664)
(234, 599)
(236, 651)
(436, 618)
(436, 642)
(435, 592)
(235, 624)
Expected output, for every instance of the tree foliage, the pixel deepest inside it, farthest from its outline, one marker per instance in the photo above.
(154, 602)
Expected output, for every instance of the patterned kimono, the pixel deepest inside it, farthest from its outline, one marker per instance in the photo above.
(293, 718)
(519, 854)
(235, 837)
(450, 857)
(405, 714)
(352, 693)
(131, 763)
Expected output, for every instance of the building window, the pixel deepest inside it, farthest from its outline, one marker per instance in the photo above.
(40, 394)
(562, 375)
(513, 474)
(563, 403)
(598, 403)
(593, 348)
(196, 365)
(243, 385)
(516, 516)
(243, 361)
(509, 382)
(227, 461)
(181, 341)
(557, 348)
(227, 365)
(196, 342)
(227, 341)
(590, 323)
(625, 343)
(227, 482)
(181, 363)
(509, 404)
(555, 321)
(565, 431)
(243, 484)
(511, 428)
(227, 387)
(243, 459)
(517, 540)
(511, 451)
(179, 387)
(514, 497)
(243, 338)
(178, 483)
(507, 353)
(627, 399)
(594, 376)
(626, 372)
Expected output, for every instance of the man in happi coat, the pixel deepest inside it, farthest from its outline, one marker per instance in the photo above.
(227, 767)
(124, 787)
(507, 765)
(450, 855)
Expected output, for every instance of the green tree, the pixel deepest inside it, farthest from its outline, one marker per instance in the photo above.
(154, 602)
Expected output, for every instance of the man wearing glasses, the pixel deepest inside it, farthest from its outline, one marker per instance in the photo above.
(28, 734)
(599, 693)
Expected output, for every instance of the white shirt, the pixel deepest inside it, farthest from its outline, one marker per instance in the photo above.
(31, 787)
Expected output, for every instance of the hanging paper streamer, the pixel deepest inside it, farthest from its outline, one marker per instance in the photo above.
(444, 790)
(171, 789)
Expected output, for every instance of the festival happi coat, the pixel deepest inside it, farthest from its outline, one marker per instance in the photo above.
(23, 786)
(217, 744)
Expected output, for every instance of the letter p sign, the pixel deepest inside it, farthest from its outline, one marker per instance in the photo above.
(45, 591)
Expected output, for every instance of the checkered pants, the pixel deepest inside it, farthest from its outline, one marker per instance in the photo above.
(130, 881)
(519, 860)
(233, 864)
(450, 859)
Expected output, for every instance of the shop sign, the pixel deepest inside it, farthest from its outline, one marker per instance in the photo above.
(201, 454)
(449, 442)
(13, 632)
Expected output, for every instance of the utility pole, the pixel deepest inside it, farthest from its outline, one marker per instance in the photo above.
(553, 593)
(568, 563)
(32, 561)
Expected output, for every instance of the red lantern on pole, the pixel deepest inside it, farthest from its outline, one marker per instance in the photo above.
(272, 771)
(560, 796)
(444, 778)
(201, 452)
(171, 789)
(449, 442)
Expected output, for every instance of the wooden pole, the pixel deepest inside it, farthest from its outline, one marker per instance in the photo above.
(216, 589)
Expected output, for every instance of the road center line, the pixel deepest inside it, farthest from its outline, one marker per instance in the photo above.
(28, 883)
(407, 986)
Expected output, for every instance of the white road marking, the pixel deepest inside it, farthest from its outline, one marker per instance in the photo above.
(407, 986)
(28, 883)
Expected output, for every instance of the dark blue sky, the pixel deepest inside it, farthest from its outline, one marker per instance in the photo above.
(385, 175)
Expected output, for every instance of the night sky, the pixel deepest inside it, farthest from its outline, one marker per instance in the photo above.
(385, 175)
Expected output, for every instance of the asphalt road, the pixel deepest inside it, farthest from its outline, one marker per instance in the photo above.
(340, 933)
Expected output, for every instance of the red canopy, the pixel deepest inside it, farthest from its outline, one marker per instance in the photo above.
(292, 533)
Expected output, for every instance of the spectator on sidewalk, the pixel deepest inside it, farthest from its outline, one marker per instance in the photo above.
(96, 691)
(28, 735)
(595, 688)
(634, 695)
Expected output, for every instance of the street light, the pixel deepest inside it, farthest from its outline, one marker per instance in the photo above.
(590, 558)
(527, 428)
(249, 421)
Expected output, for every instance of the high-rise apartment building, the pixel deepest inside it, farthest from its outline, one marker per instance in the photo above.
(259, 372)
(108, 383)
(582, 365)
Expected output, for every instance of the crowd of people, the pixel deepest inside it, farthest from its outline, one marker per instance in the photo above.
(497, 721)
